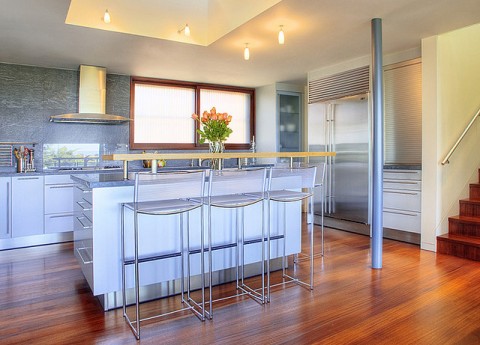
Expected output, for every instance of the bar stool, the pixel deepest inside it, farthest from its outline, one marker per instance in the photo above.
(236, 190)
(293, 184)
(172, 194)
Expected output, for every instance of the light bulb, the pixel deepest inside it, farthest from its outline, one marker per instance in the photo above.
(187, 30)
(106, 17)
(281, 36)
(246, 52)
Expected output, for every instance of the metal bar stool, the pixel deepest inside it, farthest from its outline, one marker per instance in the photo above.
(293, 184)
(235, 190)
(172, 194)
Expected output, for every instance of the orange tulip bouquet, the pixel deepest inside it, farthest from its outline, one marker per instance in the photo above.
(215, 130)
(214, 126)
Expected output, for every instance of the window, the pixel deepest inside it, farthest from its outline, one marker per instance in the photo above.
(161, 112)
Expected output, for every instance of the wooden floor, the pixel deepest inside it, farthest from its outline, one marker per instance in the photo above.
(419, 297)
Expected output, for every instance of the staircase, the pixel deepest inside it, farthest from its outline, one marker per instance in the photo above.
(463, 238)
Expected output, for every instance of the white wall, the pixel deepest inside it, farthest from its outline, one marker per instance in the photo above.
(451, 75)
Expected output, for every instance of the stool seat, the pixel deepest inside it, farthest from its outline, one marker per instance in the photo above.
(164, 207)
(235, 200)
(288, 195)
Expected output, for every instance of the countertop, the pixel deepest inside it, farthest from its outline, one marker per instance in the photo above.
(403, 166)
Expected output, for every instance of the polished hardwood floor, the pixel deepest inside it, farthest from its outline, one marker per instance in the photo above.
(418, 297)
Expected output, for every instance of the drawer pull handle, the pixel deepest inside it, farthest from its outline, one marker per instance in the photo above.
(83, 225)
(400, 182)
(83, 190)
(402, 213)
(80, 203)
(28, 178)
(61, 186)
(85, 262)
(395, 192)
(62, 216)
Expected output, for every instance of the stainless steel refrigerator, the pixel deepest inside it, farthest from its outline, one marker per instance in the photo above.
(343, 126)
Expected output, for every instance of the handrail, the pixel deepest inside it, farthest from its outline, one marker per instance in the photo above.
(454, 147)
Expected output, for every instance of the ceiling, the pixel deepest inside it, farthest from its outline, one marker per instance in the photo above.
(318, 33)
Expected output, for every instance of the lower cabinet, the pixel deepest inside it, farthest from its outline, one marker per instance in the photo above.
(402, 200)
(27, 206)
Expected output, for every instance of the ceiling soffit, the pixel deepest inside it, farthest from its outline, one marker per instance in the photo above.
(208, 20)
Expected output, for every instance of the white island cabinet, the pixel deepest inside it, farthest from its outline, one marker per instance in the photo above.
(27, 205)
(98, 241)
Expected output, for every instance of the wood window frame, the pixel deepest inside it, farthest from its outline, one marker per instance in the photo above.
(197, 87)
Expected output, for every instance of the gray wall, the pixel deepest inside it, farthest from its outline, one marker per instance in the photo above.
(29, 95)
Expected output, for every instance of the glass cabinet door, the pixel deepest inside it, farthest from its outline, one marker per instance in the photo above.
(289, 122)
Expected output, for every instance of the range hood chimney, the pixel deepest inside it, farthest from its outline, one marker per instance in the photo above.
(91, 99)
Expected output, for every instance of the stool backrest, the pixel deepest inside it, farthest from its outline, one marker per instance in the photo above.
(169, 185)
(241, 181)
(292, 178)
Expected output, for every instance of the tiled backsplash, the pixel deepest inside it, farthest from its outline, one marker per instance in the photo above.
(29, 95)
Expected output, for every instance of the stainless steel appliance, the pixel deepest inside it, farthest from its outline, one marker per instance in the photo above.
(342, 125)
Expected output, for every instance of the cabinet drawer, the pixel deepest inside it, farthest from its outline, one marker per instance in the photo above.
(84, 255)
(58, 198)
(402, 220)
(402, 174)
(58, 223)
(402, 184)
(82, 192)
(408, 200)
(81, 223)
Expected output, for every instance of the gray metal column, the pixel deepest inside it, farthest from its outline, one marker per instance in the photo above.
(377, 96)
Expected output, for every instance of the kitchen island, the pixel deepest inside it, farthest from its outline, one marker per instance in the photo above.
(97, 201)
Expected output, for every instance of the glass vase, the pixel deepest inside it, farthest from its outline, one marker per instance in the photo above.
(216, 147)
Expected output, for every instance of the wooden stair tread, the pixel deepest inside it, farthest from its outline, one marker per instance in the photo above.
(470, 201)
(468, 240)
(465, 219)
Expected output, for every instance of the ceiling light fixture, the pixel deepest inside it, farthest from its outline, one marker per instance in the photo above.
(281, 36)
(106, 17)
(185, 29)
(246, 52)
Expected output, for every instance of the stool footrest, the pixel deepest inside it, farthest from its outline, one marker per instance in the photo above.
(152, 258)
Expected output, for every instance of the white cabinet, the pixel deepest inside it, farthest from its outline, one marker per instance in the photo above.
(402, 200)
(5, 207)
(59, 212)
(27, 205)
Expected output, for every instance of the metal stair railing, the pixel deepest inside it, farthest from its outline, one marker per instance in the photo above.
(454, 147)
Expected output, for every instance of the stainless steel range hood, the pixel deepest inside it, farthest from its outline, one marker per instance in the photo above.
(91, 100)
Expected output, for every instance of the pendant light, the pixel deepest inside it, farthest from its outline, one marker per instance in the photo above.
(185, 29)
(246, 52)
(281, 36)
(106, 17)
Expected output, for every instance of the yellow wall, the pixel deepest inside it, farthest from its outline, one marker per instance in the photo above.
(451, 84)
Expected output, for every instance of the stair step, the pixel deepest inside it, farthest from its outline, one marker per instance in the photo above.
(474, 190)
(464, 225)
(461, 246)
(470, 207)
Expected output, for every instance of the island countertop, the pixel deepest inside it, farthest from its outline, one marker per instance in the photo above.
(128, 157)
